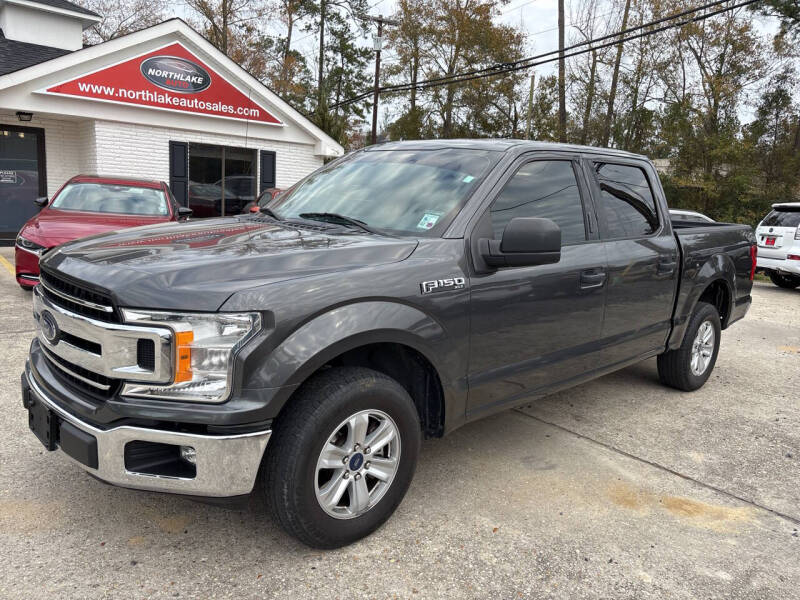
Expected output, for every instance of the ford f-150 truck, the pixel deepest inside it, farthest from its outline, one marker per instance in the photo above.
(397, 293)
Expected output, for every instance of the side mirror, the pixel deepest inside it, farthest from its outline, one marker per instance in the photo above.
(184, 212)
(42, 201)
(526, 241)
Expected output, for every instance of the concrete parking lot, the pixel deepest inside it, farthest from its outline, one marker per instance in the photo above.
(618, 488)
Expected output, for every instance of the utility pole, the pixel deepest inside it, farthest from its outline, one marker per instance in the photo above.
(377, 42)
(562, 88)
(530, 107)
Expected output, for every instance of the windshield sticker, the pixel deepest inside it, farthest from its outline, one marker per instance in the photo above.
(468, 179)
(428, 221)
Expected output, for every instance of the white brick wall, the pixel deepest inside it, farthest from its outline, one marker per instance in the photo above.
(68, 146)
(143, 151)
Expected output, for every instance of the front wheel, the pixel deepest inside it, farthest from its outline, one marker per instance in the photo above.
(687, 368)
(342, 456)
(787, 282)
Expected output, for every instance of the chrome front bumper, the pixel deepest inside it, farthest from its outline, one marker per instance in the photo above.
(226, 465)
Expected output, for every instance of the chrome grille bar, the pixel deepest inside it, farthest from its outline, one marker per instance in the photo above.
(56, 363)
(118, 357)
(101, 307)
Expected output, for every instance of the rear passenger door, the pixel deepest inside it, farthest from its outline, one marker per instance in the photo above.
(535, 327)
(642, 256)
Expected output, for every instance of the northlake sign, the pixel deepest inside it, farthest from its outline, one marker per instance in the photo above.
(168, 78)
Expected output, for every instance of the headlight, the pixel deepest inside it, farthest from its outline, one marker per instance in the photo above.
(204, 347)
(28, 245)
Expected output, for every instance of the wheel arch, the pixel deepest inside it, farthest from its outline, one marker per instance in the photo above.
(403, 347)
(712, 282)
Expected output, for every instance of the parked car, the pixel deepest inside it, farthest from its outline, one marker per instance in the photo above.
(778, 237)
(688, 215)
(88, 205)
(397, 293)
(264, 198)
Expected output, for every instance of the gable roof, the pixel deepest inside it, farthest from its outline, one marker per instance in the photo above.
(176, 29)
(16, 55)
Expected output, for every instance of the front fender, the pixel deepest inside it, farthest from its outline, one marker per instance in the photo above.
(699, 273)
(344, 328)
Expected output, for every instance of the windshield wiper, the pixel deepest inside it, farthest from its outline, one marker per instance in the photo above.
(269, 212)
(336, 218)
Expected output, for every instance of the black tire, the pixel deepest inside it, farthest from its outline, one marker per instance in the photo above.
(322, 403)
(787, 282)
(674, 366)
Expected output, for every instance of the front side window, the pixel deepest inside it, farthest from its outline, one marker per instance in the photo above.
(626, 200)
(109, 198)
(408, 192)
(546, 189)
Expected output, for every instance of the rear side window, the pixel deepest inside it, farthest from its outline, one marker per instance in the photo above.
(546, 189)
(782, 218)
(626, 200)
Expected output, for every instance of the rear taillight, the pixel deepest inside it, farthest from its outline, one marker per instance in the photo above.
(753, 261)
(794, 257)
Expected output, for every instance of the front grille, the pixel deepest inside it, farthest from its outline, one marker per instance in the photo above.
(78, 299)
(74, 376)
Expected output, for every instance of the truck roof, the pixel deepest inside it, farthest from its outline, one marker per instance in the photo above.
(499, 145)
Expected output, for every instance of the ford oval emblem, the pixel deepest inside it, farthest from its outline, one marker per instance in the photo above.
(175, 74)
(49, 327)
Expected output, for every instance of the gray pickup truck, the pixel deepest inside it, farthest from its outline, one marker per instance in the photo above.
(397, 293)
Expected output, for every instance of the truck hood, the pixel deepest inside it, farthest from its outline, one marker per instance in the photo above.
(197, 265)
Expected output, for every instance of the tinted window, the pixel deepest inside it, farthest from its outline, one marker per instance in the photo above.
(414, 192)
(782, 218)
(546, 189)
(108, 198)
(626, 200)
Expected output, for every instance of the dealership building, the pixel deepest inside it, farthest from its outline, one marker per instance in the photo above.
(161, 103)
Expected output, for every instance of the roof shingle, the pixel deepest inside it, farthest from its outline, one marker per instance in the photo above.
(66, 5)
(19, 55)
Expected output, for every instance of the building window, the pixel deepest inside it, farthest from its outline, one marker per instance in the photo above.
(222, 180)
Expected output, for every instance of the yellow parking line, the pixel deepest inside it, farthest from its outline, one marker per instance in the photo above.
(9, 267)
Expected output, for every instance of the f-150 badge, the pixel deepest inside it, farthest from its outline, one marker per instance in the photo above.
(442, 285)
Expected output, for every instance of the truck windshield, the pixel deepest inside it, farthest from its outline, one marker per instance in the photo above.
(415, 192)
(109, 198)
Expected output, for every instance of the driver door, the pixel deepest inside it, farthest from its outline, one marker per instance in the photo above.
(534, 328)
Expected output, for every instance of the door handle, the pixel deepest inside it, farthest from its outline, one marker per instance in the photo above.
(592, 278)
(666, 267)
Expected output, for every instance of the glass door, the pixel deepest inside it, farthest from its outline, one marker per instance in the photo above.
(22, 177)
(222, 180)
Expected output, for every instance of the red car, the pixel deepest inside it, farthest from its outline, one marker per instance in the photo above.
(87, 205)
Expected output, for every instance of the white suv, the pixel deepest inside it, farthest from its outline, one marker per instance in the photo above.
(778, 237)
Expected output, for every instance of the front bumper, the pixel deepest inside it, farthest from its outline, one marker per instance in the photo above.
(225, 465)
(779, 265)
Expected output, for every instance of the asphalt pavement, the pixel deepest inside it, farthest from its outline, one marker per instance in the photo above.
(619, 488)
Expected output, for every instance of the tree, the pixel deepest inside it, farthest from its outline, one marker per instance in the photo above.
(120, 17)
(612, 94)
(221, 21)
(321, 13)
(788, 12)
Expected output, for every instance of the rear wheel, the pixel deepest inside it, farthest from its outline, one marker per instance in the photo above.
(342, 456)
(687, 368)
(787, 282)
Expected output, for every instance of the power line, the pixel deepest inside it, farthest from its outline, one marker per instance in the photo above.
(501, 67)
(533, 61)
